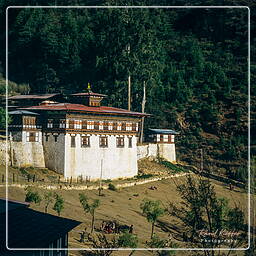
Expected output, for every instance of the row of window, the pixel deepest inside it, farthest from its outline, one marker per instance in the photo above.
(93, 125)
(103, 142)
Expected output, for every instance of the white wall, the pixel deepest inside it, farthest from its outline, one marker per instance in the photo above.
(150, 150)
(54, 152)
(153, 150)
(117, 162)
(23, 153)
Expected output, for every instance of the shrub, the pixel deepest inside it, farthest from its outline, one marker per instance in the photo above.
(33, 197)
(128, 240)
(144, 176)
(112, 187)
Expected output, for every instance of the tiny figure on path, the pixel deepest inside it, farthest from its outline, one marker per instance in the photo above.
(82, 237)
(131, 229)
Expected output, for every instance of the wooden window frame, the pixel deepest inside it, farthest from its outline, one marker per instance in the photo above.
(123, 126)
(129, 142)
(105, 126)
(120, 142)
(32, 137)
(87, 140)
(114, 126)
(103, 141)
(73, 142)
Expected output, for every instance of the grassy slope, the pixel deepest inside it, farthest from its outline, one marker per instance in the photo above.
(123, 206)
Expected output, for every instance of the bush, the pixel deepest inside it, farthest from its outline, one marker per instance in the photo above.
(33, 197)
(128, 240)
(171, 166)
(144, 176)
(112, 187)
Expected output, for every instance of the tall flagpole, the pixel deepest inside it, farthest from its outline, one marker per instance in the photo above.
(129, 84)
(143, 111)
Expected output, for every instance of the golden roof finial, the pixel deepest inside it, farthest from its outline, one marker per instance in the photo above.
(89, 87)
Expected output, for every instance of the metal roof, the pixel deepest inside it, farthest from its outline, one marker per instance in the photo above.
(69, 107)
(33, 96)
(28, 228)
(163, 131)
(22, 112)
(88, 94)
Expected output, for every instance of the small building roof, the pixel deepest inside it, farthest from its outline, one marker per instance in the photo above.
(33, 96)
(163, 131)
(28, 228)
(12, 204)
(22, 112)
(70, 107)
(87, 94)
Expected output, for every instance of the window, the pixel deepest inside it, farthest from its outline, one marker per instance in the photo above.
(59, 245)
(62, 123)
(51, 251)
(105, 126)
(85, 141)
(123, 126)
(114, 126)
(78, 124)
(120, 142)
(32, 137)
(50, 123)
(110, 126)
(128, 126)
(103, 142)
(130, 142)
(41, 253)
(55, 138)
(101, 126)
(133, 126)
(90, 125)
(73, 141)
(71, 124)
(171, 138)
(84, 124)
(119, 126)
(46, 137)
(96, 125)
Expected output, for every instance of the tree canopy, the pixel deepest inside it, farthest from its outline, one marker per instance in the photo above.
(194, 63)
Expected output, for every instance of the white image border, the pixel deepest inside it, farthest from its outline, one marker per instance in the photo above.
(131, 7)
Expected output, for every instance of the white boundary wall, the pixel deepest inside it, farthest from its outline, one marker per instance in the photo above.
(155, 150)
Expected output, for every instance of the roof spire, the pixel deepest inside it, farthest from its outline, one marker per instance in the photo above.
(89, 87)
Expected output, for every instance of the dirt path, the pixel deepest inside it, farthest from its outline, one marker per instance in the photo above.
(95, 187)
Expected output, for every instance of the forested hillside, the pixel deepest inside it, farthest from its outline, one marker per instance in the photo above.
(194, 63)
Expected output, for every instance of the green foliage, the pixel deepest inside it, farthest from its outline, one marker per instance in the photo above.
(201, 210)
(127, 240)
(152, 210)
(48, 198)
(89, 207)
(144, 176)
(157, 242)
(193, 61)
(59, 204)
(174, 168)
(32, 196)
(112, 187)
(2, 118)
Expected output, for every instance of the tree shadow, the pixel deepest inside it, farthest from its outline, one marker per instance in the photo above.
(174, 229)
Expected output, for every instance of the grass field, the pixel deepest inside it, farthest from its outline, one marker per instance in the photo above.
(124, 206)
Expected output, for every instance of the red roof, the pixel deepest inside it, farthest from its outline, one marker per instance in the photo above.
(69, 107)
(88, 94)
(33, 96)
